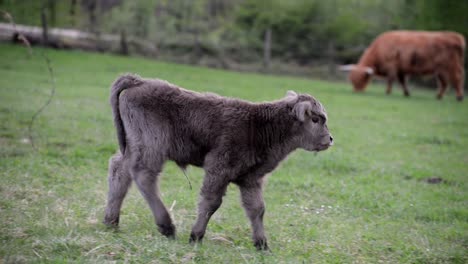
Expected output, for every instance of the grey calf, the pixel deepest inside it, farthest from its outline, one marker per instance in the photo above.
(234, 141)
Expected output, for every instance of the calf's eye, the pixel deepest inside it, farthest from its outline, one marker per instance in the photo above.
(315, 119)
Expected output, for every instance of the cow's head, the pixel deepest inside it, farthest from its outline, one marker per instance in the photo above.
(310, 128)
(358, 75)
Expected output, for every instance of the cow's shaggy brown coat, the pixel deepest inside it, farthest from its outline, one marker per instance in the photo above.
(234, 141)
(395, 55)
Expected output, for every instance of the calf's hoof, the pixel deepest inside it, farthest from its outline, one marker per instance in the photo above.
(111, 221)
(261, 245)
(439, 97)
(195, 238)
(168, 230)
(407, 94)
(460, 98)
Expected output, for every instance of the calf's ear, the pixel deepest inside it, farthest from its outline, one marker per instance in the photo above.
(291, 98)
(291, 93)
(302, 109)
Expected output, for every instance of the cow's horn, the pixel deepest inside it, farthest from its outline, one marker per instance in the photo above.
(348, 67)
(369, 70)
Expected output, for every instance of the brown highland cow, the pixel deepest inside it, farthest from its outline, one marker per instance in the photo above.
(395, 55)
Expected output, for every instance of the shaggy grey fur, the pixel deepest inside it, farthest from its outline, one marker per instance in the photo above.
(233, 140)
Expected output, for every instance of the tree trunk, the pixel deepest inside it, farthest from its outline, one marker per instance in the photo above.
(331, 59)
(91, 8)
(51, 6)
(267, 49)
(123, 43)
(45, 35)
(197, 51)
(72, 12)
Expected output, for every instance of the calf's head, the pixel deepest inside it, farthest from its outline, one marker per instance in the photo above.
(311, 122)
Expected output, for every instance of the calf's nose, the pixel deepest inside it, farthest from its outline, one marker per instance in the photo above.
(331, 140)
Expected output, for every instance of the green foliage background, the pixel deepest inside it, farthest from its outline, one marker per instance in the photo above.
(307, 32)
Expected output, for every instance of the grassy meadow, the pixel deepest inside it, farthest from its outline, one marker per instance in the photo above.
(393, 188)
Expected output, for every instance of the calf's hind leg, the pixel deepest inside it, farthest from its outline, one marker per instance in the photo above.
(119, 181)
(146, 180)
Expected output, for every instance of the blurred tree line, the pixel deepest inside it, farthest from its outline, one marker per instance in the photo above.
(268, 35)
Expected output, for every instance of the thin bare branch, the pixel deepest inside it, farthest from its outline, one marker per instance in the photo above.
(25, 41)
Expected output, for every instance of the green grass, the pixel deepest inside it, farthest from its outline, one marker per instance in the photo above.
(365, 200)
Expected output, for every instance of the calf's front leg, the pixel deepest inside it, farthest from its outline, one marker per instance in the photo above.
(254, 205)
(211, 197)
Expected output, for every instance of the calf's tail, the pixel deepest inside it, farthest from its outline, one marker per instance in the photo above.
(123, 82)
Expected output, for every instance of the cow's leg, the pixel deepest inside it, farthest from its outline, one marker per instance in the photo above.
(252, 200)
(119, 181)
(146, 180)
(389, 85)
(403, 80)
(211, 197)
(457, 82)
(442, 84)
